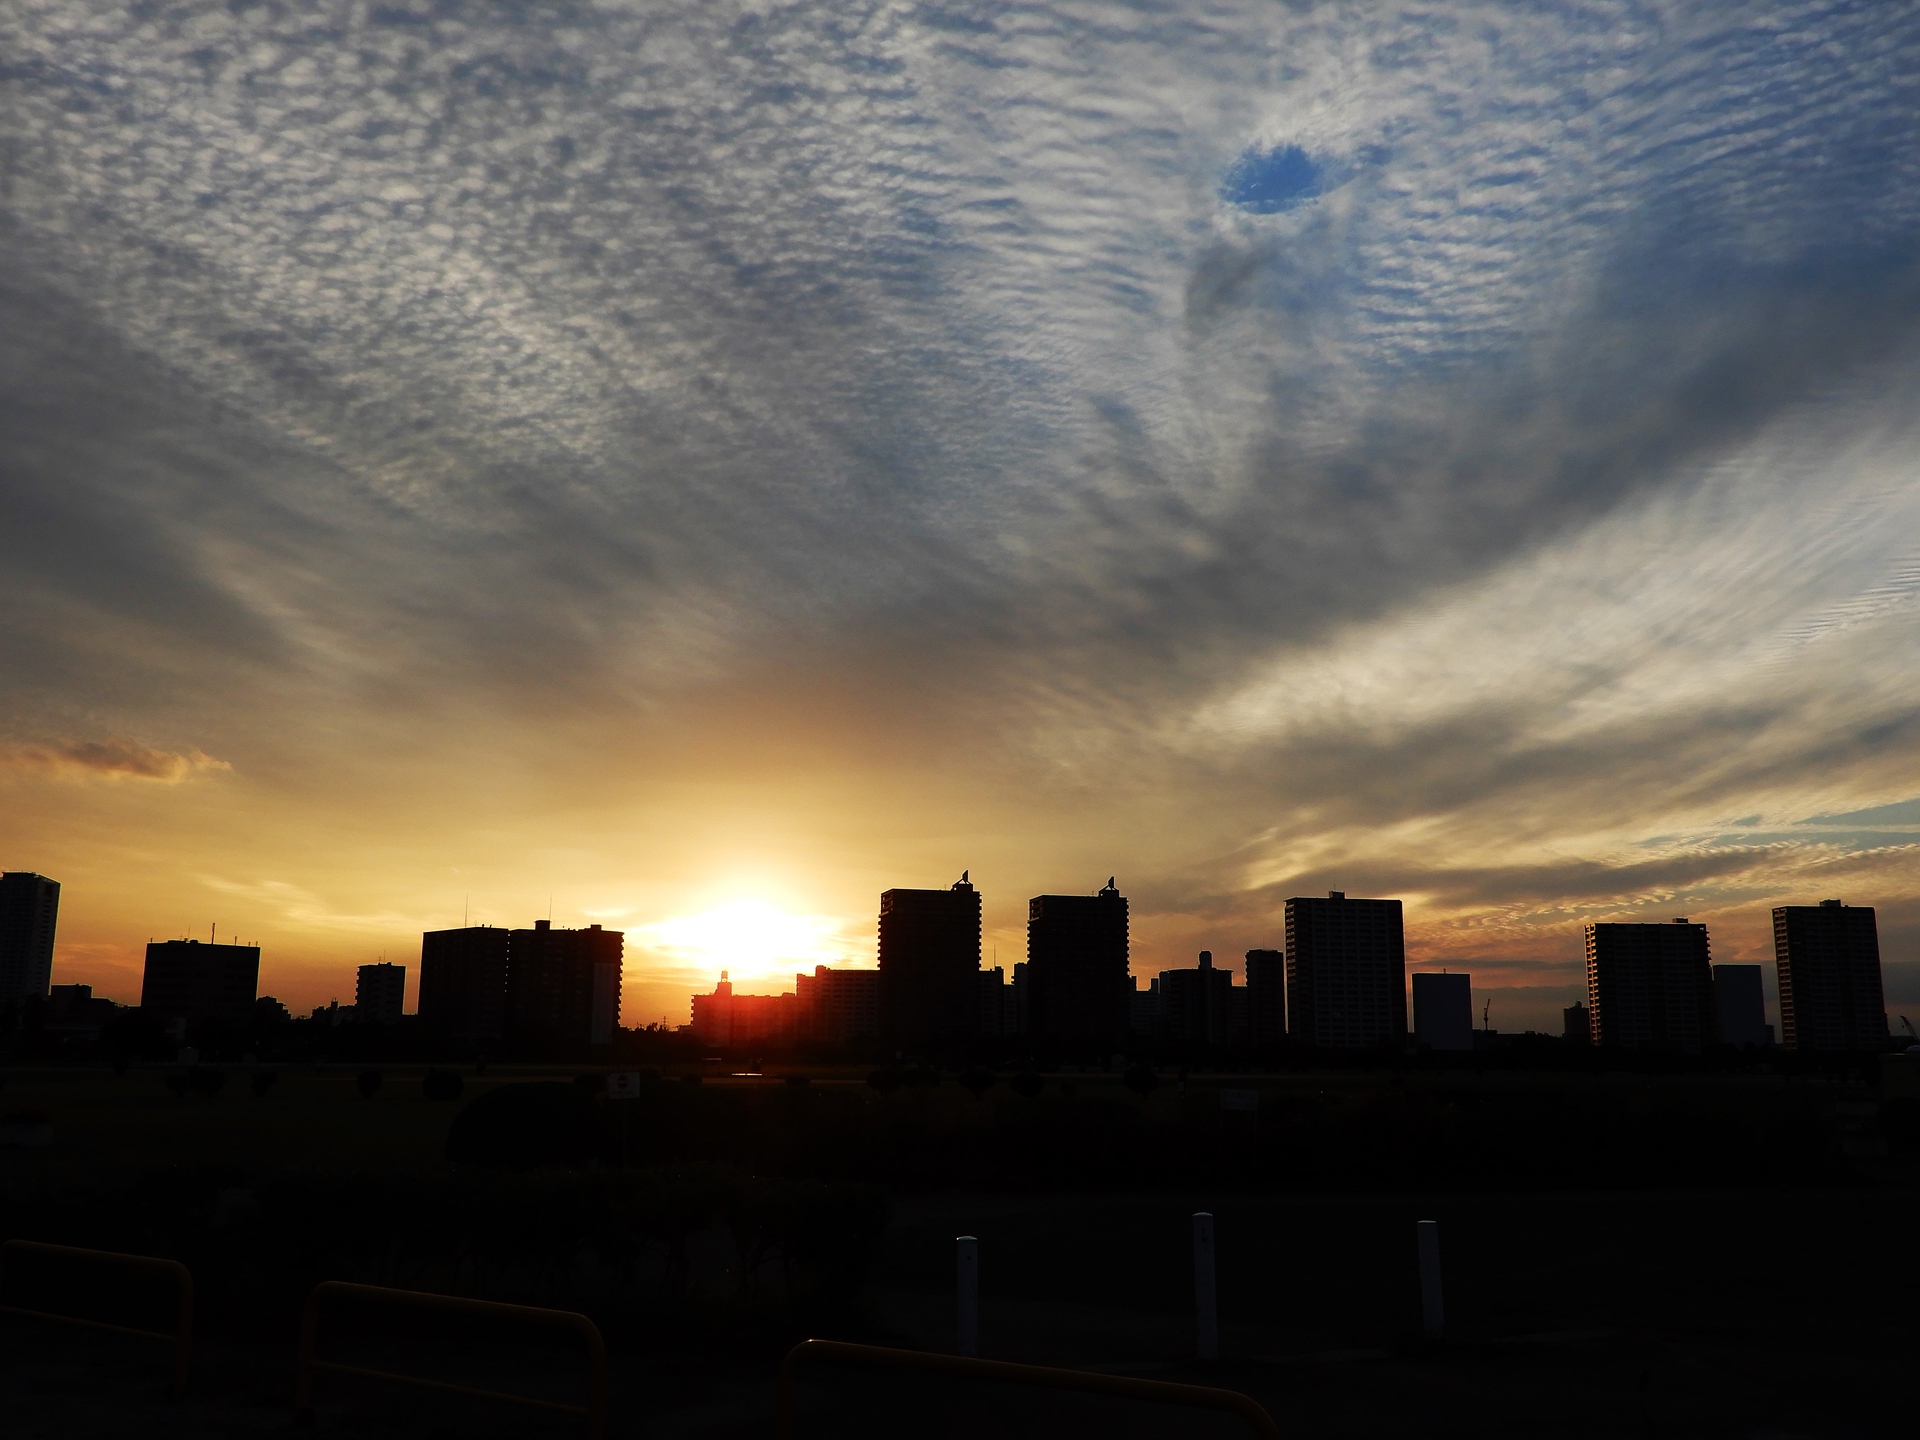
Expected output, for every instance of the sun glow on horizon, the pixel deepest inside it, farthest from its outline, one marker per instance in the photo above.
(751, 940)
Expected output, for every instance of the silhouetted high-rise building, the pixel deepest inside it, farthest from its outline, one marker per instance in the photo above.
(930, 965)
(1267, 996)
(463, 983)
(1650, 987)
(1346, 972)
(1078, 986)
(1828, 957)
(1574, 1025)
(837, 1006)
(188, 981)
(1443, 1011)
(29, 906)
(1740, 1006)
(379, 993)
(563, 986)
(1196, 1006)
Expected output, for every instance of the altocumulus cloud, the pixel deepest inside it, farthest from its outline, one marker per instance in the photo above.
(1451, 444)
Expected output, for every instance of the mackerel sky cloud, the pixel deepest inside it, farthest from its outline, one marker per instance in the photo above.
(657, 456)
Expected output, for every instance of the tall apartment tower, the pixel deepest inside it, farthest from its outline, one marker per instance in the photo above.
(379, 993)
(1443, 1011)
(1828, 957)
(1650, 987)
(188, 981)
(563, 986)
(1267, 996)
(930, 965)
(1740, 1006)
(29, 905)
(1346, 972)
(1079, 990)
(463, 983)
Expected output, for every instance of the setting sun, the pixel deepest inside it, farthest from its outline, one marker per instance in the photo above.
(751, 940)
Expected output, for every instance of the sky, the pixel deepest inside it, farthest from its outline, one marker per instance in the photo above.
(691, 467)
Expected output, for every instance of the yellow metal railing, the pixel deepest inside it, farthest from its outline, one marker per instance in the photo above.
(182, 1336)
(1160, 1392)
(595, 1410)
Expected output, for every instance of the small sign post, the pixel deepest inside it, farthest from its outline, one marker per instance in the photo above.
(1206, 1311)
(1433, 1309)
(966, 1250)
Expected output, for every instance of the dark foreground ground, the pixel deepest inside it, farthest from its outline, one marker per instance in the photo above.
(1740, 1313)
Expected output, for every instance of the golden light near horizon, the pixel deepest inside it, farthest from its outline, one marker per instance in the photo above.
(753, 940)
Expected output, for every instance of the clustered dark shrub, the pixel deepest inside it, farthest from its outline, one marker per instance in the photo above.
(441, 1085)
(1028, 1084)
(978, 1081)
(1141, 1080)
(921, 1077)
(369, 1083)
(263, 1081)
(200, 1081)
(885, 1081)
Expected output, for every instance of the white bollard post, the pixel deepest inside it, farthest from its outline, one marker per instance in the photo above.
(1432, 1308)
(1206, 1314)
(967, 1276)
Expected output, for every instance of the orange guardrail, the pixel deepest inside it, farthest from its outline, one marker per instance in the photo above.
(594, 1411)
(182, 1336)
(1162, 1392)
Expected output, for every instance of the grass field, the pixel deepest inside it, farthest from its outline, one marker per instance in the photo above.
(1764, 1308)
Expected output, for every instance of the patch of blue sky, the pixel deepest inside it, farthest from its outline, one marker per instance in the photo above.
(1267, 182)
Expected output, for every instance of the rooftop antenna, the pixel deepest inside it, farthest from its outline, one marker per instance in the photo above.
(213, 935)
(1485, 1006)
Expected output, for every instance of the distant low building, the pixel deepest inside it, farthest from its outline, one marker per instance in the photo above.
(1143, 1009)
(1650, 987)
(1196, 1005)
(333, 1013)
(1828, 958)
(1575, 1028)
(74, 1011)
(1443, 1011)
(188, 981)
(995, 1012)
(726, 1019)
(832, 1007)
(1740, 1006)
(379, 993)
